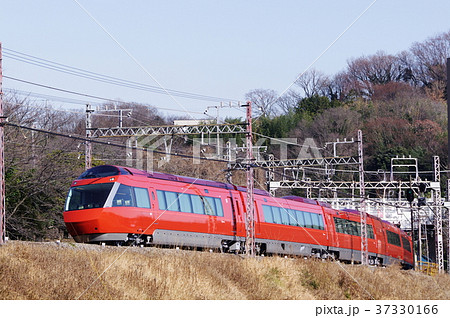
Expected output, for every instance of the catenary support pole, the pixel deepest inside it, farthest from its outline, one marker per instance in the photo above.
(437, 203)
(250, 217)
(362, 194)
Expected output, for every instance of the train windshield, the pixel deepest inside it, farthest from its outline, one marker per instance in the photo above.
(103, 171)
(89, 196)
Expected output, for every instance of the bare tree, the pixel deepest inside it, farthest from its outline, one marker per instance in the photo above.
(289, 101)
(377, 69)
(263, 101)
(428, 62)
(38, 167)
(312, 82)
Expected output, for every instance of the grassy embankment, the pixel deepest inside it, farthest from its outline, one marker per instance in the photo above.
(77, 271)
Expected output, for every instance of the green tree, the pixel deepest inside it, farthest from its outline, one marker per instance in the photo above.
(315, 104)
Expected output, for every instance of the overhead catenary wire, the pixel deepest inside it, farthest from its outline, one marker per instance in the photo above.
(89, 95)
(33, 60)
(106, 143)
(45, 98)
(63, 68)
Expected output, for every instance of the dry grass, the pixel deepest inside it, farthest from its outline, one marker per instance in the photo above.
(72, 271)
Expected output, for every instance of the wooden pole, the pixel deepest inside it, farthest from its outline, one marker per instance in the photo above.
(2, 161)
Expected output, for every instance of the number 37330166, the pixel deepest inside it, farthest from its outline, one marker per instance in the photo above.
(407, 309)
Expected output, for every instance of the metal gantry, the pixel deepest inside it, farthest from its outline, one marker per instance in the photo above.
(168, 130)
(299, 162)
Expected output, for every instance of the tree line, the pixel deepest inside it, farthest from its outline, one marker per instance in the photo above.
(398, 101)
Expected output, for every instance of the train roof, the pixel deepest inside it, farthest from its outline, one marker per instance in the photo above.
(306, 200)
(112, 170)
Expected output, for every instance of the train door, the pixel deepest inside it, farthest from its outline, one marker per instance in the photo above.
(148, 218)
(234, 212)
(343, 236)
(226, 223)
(380, 238)
(153, 203)
(355, 234)
(240, 220)
(372, 242)
(257, 219)
(329, 227)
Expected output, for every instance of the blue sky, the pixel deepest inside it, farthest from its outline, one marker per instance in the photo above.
(215, 48)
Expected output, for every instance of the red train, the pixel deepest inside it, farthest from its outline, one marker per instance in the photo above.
(116, 205)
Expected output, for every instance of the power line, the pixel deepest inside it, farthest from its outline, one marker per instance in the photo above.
(88, 95)
(106, 143)
(63, 68)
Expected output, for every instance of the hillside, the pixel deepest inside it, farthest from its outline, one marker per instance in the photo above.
(77, 271)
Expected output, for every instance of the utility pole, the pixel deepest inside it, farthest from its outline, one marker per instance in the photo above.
(2, 160)
(362, 194)
(250, 217)
(88, 148)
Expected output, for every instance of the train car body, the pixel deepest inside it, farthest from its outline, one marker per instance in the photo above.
(116, 205)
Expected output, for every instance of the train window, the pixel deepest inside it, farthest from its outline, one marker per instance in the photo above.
(340, 225)
(88, 196)
(185, 203)
(210, 205)
(276, 215)
(300, 218)
(197, 204)
(393, 238)
(100, 172)
(322, 225)
(315, 221)
(124, 196)
(370, 233)
(173, 204)
(292, 217)
(219, 208)
(351, 227)
(308, 220)
(406, 244)
(267, 210)
(161, 200)
(284, 216)
(142, 198)
(355, 228)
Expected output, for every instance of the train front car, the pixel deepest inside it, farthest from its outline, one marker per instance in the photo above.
(107, 204)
